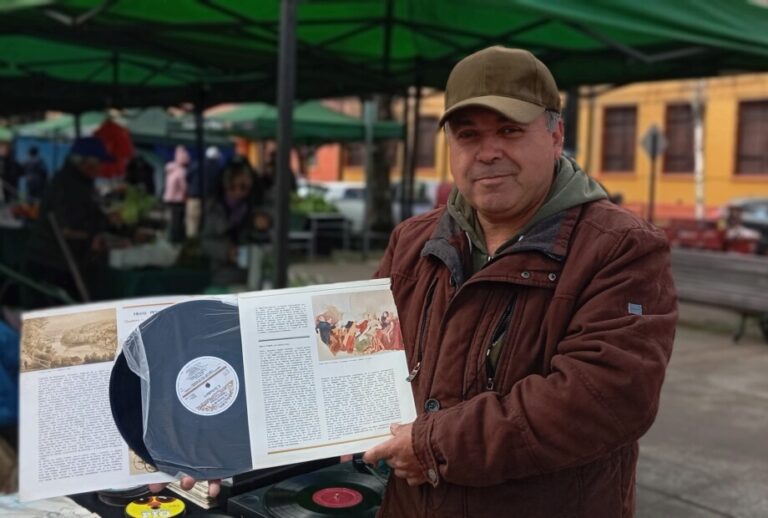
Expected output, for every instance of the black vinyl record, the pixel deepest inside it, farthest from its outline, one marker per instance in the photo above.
(125, 400)
(196, 417)
(322, 494)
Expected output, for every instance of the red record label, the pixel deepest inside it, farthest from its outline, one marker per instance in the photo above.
(337, 497)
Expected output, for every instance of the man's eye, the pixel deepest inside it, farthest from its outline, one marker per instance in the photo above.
(463, 135)
(510, 130)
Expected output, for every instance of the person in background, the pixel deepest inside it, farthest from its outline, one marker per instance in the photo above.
(175, 192)
(34, 173)
(202, 182)
(71, 199)
(10, 172)
(231, 222)
(137, 197)
(269, 179)
(140, 174)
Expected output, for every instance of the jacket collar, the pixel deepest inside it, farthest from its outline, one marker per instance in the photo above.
(550, 237)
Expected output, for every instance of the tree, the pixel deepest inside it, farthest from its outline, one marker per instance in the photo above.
(379, 185)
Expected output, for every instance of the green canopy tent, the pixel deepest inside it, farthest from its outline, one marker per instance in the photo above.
(146, 124)
(6, 134)
(75, 55)
(313, 123)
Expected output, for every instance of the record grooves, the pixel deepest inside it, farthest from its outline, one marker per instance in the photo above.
(324, 493)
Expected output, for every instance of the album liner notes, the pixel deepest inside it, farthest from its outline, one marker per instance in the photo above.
(301, 373)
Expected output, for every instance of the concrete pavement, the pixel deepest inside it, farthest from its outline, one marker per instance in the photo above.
(706, 456)
(707, 453)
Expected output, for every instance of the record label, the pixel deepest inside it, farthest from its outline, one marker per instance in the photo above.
(337, 497)
(155, 506)
(207, 385)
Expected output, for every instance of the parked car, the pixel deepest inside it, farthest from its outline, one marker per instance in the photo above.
(349, 199)
(754, 215)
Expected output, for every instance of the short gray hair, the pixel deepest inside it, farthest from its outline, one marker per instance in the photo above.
(553, 118)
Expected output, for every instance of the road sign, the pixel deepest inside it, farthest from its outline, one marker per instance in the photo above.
(654, 142)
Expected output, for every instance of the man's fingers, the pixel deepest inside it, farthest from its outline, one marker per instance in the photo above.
(187, 483)
(214, 488)
(376, 453)
(394, 427)
(372, 456)
(156, 488)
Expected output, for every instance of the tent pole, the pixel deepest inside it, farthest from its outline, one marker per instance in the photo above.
(413, 158)
(571, 121)
(370, 111)
(698, 149)
(78, 125)
(407, 128)
(286, 82)
(200, 145)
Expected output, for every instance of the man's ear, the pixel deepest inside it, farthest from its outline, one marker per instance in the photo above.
(558, 139)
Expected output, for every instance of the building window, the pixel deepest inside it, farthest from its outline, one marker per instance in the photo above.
(425, 157)
(752, 146)
(678, 157)
(619, 140)
(354, 154)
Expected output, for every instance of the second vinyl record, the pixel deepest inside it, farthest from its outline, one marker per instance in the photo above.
(325, 493)
(195, 412)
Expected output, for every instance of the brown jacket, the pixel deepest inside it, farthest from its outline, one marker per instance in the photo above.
(587, 307)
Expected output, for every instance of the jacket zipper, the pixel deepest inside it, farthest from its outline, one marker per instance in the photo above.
(424, 321)
(490, 370)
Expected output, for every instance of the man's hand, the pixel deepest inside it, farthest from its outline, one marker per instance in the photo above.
(214, 486)
(398, 453)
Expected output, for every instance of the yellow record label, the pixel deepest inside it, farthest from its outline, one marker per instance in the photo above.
(155, 506)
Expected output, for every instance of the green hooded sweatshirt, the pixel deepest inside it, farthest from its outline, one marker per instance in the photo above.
(571, 187)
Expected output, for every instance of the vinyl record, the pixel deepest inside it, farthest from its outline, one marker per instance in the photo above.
(189, 360)
(316, 495)
(156, 505)
(125, 400)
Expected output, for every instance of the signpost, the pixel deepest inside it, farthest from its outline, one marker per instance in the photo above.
(654, 144)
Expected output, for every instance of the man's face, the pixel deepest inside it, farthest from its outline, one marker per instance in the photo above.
(503, 168)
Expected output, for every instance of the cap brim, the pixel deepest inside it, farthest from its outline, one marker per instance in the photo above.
(514, 109)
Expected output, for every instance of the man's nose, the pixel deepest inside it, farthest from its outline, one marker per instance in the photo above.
(489, 150)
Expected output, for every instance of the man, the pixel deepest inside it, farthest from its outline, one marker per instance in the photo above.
(10, 170)
(71, 198)
(538, 318)
(35, 173)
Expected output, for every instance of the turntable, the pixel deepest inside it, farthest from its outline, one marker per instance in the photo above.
(339, 490)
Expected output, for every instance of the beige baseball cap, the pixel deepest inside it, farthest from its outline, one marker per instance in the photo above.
(512, 82)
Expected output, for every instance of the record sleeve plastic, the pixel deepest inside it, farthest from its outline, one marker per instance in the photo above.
(193, 419)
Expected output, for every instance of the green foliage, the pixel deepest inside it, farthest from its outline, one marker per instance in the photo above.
(310, 203)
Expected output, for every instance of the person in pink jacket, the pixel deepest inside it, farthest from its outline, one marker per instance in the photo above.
(175, 192)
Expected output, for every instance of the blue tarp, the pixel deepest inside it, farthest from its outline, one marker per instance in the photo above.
(9, 375)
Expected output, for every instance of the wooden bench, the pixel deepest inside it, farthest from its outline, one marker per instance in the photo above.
(733, 281)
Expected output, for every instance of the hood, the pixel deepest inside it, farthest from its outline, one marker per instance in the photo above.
(571, 187)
